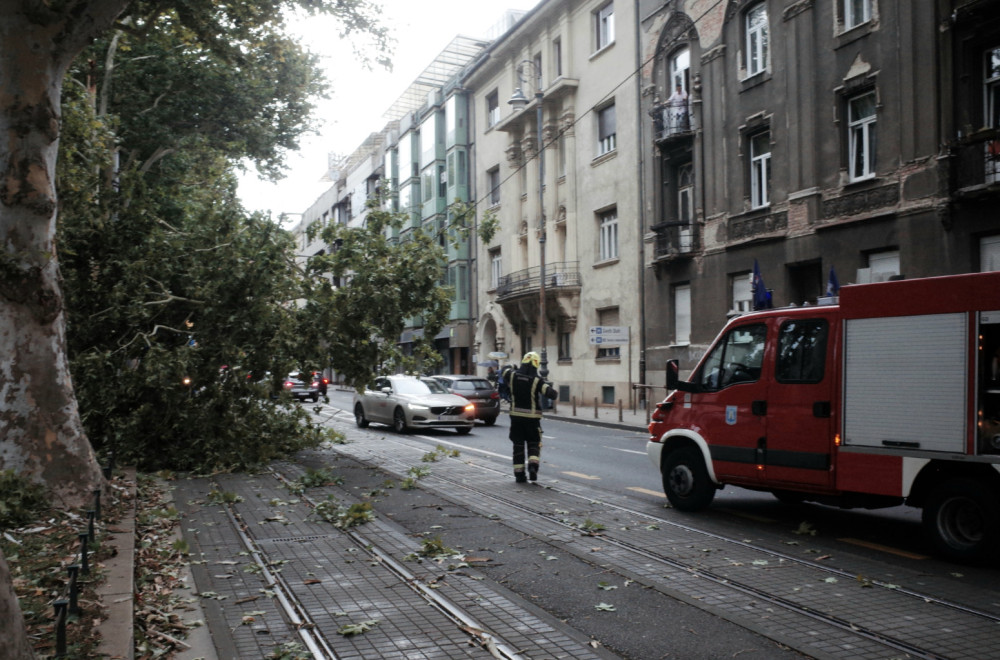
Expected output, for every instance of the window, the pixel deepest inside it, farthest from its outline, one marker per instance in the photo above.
(742, 293)
(682, 315)
(883, 265)
(561, 155)
(537, 62)
(756, 40)
(492, 108)
(606, 131)
(557, 56)
(608, 317)
(496, 268)
(760, 170)
(989, 253)
(564, 344)
(801, 351)
(685, 206)
(736, 358)
(861, 136)
(991, 98)
(856, 12)
(493, 183)
(608, 225)
(604, 20)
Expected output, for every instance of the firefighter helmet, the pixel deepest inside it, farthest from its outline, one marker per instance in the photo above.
(532, 357)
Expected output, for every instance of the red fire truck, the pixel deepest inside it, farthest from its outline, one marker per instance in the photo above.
(890, 395)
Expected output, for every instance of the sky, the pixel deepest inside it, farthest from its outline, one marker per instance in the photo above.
(359, 97)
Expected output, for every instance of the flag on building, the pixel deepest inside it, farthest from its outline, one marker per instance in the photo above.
(832, 284)
(761, 296)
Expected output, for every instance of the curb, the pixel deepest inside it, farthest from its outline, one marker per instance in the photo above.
(117, 592)
(619, 426)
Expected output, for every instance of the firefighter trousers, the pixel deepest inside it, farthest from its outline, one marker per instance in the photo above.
(526, 433)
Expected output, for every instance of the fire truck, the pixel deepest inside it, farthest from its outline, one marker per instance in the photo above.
(889, 395)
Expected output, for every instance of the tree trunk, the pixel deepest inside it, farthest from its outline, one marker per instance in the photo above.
(14, 643)
(41, 435)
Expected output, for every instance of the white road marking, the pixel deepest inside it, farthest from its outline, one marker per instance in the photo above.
(627, 451)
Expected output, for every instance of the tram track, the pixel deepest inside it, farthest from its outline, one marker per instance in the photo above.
(464, 491)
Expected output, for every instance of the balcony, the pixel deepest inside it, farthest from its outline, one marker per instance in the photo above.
(559, 275)
(976, 163)
(672, 123)
(674, 241)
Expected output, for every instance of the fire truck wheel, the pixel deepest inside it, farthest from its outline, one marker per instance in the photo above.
(685, 480)
(962, 520)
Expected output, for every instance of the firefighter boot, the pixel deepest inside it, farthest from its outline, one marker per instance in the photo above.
(533, 471)
(519, 477)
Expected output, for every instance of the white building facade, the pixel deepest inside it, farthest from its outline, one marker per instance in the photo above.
(575, 201)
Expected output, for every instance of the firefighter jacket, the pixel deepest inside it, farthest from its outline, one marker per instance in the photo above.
(525, 389)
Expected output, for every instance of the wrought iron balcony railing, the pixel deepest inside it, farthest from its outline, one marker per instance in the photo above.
(558, 275)
(976, 160)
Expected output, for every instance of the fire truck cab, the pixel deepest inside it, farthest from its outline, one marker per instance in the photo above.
(889, 396)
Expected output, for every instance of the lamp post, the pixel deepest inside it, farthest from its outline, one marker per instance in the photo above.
(518, 101)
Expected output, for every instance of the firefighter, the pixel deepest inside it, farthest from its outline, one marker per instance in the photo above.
(526, 414)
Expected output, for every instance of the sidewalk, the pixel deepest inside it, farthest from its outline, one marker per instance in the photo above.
(117, 629)
(624, 419)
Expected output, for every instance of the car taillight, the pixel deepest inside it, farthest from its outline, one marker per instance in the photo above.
(494, 395)
(289, 384)
(326, 381)
(315, 383)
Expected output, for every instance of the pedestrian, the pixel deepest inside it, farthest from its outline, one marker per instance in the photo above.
(526, 415)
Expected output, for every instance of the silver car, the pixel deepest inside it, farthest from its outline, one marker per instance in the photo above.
(407, 402)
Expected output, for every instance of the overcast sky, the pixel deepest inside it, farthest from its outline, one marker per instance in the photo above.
(360, 97)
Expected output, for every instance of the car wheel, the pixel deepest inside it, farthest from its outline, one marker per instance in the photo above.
(399, 420)
(685, 480)
(490, 421)
(464, 430)
(359, 416)
(962, 520)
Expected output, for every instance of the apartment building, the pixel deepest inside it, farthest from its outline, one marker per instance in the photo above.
(562, 269)
(848, 136)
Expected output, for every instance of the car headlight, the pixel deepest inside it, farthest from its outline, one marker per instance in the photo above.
(417, 406)
(471, 408)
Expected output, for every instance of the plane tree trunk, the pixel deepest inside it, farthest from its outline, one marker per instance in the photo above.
(41, 435)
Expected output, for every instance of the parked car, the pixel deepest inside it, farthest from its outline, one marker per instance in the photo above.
(477, 390)
(406, 402)
(302, 386)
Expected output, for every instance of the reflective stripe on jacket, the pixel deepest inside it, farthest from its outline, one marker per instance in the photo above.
(525, 390)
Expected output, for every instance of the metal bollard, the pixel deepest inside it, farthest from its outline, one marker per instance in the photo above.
(97, 503)
(91, 514)
(74, 607)
(574, 405)
(619, 410)
(595, 408)
(84, 564)
(60, 606)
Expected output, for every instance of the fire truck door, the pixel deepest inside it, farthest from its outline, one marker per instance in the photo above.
(799, 440)
(729, 407)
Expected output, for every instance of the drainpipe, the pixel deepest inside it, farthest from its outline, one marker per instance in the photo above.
(642, 209)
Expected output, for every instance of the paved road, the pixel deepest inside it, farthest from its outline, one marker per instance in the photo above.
(573, 567)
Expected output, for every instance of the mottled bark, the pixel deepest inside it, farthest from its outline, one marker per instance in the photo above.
(41, 435)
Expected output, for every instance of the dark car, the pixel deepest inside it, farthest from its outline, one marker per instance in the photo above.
(479, 391)
(302, 386)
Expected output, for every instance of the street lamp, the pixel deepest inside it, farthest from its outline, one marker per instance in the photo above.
(518, 101)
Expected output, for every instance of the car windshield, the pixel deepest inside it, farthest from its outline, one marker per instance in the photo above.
(410, 386)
